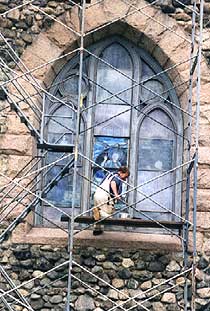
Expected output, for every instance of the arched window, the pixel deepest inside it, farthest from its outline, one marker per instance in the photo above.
(112, 115)
(156, 156)
(131, 117)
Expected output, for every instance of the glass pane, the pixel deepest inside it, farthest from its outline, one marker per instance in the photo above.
(154, 188)
(61, 130)
(62, 125)
(157, 125)
(117, 126)
(61, 139)
(110, 153)
(110, 80)
(62, 192)
(60, 158)
(70, 85)
(156, 155)
(148, 97)
(146, 70)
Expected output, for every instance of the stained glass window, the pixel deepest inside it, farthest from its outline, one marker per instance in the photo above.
(113, 73)
(156, 156)
(110, 153)
(120, 125)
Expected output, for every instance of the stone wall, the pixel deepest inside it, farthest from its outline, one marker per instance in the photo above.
(134, 273)
(21, 26)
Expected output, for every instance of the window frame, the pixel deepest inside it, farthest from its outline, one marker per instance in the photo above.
(137, 55)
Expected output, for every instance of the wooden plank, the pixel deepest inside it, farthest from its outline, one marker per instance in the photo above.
(56, 147)
(127, 222)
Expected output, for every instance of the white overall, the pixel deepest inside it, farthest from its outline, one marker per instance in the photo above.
(102, 198)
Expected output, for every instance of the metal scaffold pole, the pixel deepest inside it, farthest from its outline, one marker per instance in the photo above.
(192, 67)
(195, 184)
(76, 151)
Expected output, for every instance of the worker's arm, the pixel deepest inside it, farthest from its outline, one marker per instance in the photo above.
(114, 189)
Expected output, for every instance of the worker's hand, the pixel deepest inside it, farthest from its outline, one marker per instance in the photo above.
(117, 197)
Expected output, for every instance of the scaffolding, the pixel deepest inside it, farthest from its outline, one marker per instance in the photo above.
(27, 190)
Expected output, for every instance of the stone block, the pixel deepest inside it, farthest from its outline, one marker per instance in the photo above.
(127, 263)
(205, 115)
(16, 163)
(181, 88)
(11, 209)
(113, 294)
(37, 56)
(4, 163)
(157, 25)
(60, 35)
(203, 221)
(93, 20)
(173, 42)
(206, 247)
(158, 306)
(173, 266)
(140, 18)
(118, 283)
(204, 292)
(199, 241)
(16, 144)
(204, 138)
(203, 200)
(133, 35)
(168, 298)
(124, 294)
(15, 126)
(204, 155)
(160, 56)
(27, 87)
(204, 93)
(14, 15)
(71, 19)
(147, 44)
(146, 285)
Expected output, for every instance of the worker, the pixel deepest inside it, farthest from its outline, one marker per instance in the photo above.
(106, 195)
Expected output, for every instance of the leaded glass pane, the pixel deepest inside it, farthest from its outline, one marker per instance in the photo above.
(61, 130)
(63, 120)
(156, 156)
(61, 193)
(110, 153)
(159, 190)
(70, 85)
(159, 125)
(107, 124)
(152, 91)
(146, 70)
(111, 79)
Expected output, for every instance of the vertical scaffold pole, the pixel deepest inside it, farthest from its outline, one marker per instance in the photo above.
(198, 87)
(76, 150)
(193, 61)
(192, 65)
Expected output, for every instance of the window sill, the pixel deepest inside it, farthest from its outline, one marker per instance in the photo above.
(132, 240)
